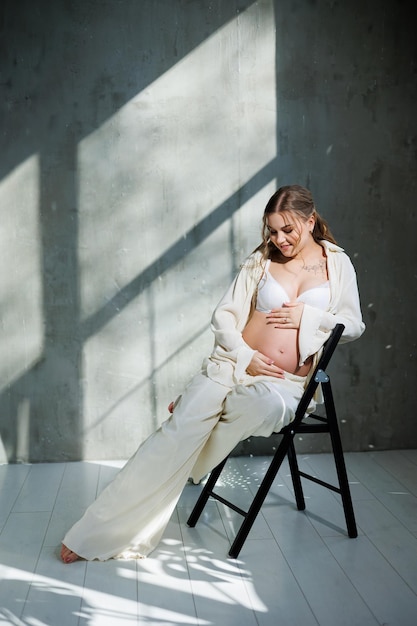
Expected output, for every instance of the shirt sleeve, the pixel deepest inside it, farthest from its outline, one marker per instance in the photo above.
(316, 324)
(227, 324)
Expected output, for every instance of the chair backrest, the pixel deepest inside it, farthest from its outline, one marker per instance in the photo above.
(316, 378)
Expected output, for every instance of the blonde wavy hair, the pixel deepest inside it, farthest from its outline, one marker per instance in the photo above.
(296, 200)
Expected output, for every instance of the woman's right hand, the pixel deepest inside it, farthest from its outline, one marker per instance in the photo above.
(262, 365)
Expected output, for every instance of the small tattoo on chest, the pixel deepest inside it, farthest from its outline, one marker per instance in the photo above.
(316, 268)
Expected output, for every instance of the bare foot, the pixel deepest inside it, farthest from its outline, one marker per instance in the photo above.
(68, 556)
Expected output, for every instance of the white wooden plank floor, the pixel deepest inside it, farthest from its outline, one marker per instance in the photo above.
(296, 568)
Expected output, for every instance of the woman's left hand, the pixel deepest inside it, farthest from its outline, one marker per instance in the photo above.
(287, 316)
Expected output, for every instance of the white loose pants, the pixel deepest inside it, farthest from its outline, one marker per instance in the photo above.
(130, 515)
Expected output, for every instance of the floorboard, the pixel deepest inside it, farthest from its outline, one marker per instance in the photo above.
(296, 567)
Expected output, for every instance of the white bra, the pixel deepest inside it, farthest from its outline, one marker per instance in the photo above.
(272, 295)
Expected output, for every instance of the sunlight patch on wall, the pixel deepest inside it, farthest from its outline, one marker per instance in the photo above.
(174, 153)
(21, 315)
(152, 174)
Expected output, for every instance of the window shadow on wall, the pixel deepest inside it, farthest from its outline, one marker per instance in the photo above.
(63, 78)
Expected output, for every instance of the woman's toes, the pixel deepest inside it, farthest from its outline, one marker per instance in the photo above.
(67, 555)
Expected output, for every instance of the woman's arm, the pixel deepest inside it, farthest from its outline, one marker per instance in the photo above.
(230, 318)
(316, 325)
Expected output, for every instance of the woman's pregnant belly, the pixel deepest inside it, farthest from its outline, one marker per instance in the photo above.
(279, 344)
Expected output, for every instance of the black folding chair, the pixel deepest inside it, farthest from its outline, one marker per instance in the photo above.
(320, 424)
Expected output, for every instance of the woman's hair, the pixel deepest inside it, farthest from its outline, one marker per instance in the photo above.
(298, 200)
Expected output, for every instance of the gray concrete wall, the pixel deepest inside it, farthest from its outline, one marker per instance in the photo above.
(140, 142)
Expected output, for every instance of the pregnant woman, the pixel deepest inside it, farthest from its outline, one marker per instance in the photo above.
(269, 329)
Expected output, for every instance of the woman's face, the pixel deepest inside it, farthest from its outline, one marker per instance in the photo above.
(288, 232)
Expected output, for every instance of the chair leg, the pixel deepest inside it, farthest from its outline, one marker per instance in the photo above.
(340, 462)
(295, 475)
(260, 496)
(205, 494)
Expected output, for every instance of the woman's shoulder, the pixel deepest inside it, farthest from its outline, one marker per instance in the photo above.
(254, 258)
(333, 249)
(255, 261)
(330, 246)
(337, 256)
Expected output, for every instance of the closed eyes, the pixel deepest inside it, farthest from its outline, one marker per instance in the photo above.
(287, 231)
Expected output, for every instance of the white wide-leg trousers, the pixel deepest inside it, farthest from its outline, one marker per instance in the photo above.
(130, 515)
